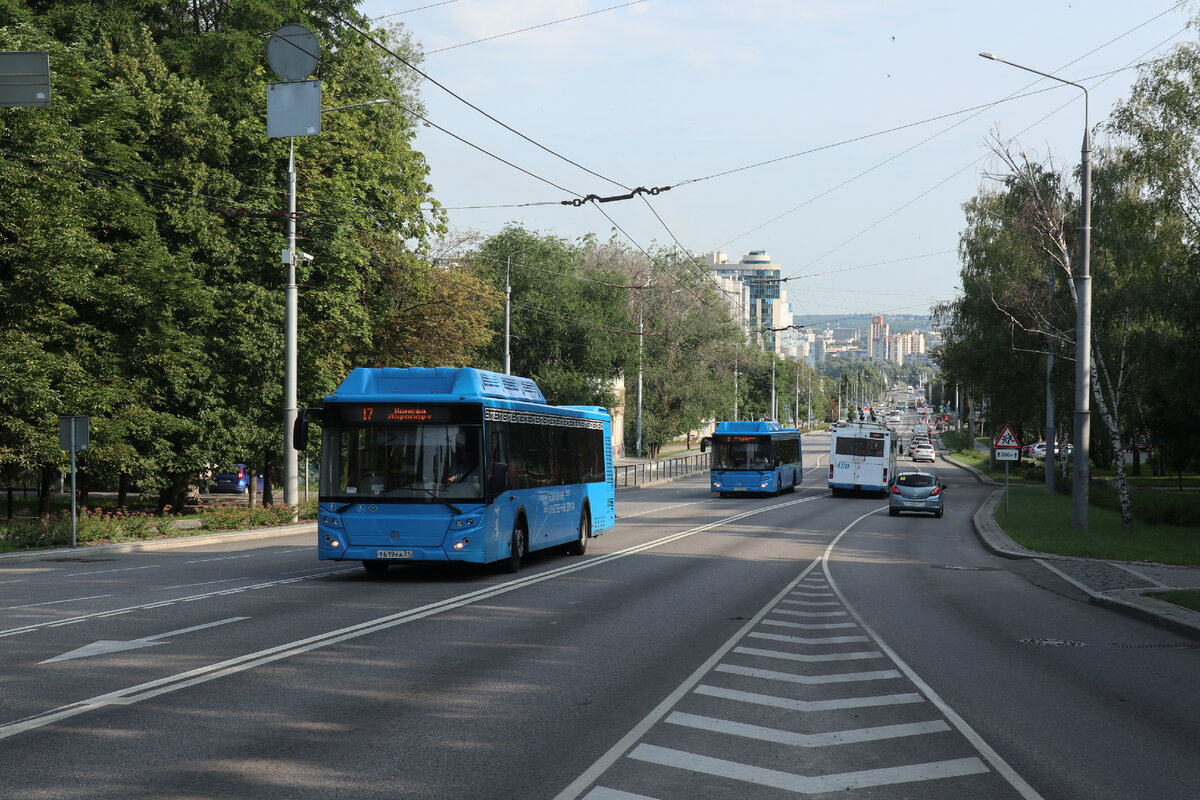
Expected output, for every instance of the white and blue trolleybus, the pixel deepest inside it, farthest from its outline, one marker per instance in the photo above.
(762, 457)
(456, 465)
(862, 457)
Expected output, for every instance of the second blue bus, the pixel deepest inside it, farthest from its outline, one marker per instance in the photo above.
(755, 457)
(457, 465)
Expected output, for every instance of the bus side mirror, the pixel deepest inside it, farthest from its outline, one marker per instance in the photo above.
(300, 427)
(498, 479)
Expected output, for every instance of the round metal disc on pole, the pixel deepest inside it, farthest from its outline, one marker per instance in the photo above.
(293, 52)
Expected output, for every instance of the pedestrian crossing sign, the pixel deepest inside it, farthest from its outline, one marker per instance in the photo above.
(1007, 439)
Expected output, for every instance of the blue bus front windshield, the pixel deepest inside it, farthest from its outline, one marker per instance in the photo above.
(742, 452)
(404, 462)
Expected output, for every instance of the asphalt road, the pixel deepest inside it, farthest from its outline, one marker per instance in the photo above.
(781, 647)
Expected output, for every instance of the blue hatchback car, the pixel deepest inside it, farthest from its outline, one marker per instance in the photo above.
(235, 481)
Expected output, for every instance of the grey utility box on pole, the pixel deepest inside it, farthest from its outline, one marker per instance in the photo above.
(24, 79)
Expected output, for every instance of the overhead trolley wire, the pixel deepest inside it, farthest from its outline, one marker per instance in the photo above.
(466, 102)
(534, 27)
(402, 105)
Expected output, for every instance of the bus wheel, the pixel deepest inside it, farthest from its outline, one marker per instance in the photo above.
(516, 551)
(579, 546)
(375, 567)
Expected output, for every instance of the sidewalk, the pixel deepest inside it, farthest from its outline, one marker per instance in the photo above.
(1118, 585)
(89, 551)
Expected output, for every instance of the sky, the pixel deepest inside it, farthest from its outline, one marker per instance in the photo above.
(868, 120)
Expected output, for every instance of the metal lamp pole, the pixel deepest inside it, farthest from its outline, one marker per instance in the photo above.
(1083, 316)
(508, 301)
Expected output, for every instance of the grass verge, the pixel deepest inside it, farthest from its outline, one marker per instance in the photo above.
(1188, 598)
(1044, 523)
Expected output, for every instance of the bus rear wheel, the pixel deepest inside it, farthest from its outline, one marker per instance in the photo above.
(579, 546)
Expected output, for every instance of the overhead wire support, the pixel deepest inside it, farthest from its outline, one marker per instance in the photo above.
(579, 201)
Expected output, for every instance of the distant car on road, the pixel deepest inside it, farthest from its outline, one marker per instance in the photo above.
(916, 491)
(235, 481)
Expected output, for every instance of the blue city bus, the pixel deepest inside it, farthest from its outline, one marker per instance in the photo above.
(456, 465)
(755, 457)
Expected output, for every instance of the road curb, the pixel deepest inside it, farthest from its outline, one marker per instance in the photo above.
(1130, 602)
(157, 544)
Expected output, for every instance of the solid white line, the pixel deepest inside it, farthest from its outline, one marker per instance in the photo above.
(202, 583)
(222, 558)
(806, 739)
(772, 701)
(664, 508)
(787, 677)
(107, 571)
(802, 783)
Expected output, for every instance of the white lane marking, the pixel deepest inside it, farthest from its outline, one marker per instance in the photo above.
(755, 651)
(163, 603)
(629, 740)
(839, 704)
(991, 756)
(778, 637)
(57, 602)
(810, 613)
(106, 646)
(106, 571)
(232, 666)
(764, 734)
(812, 603)
(812, 680)
(803, 784)
(808, 626)
(812, 594)
(663, 508)
(221, 558)
(202, 583)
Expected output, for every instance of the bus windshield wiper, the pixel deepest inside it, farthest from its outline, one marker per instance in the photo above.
(441, 500)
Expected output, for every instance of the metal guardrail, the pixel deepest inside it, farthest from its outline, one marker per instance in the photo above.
(663, 469)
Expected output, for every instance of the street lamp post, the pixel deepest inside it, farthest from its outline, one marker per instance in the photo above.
(508, 300)
(1083, 316)
(291, 463)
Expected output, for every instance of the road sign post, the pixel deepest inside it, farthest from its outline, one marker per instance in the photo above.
(1007, 449)
(73, 436)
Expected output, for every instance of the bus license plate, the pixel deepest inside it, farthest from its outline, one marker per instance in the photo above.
(393, 554)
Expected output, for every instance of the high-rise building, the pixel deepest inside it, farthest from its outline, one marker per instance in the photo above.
(764, 302)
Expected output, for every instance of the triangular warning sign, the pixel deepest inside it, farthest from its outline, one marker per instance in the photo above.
(1006, 438)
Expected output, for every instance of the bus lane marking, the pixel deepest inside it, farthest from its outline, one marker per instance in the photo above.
(193, 677)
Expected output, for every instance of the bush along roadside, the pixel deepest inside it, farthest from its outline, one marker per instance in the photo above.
(99, 526)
